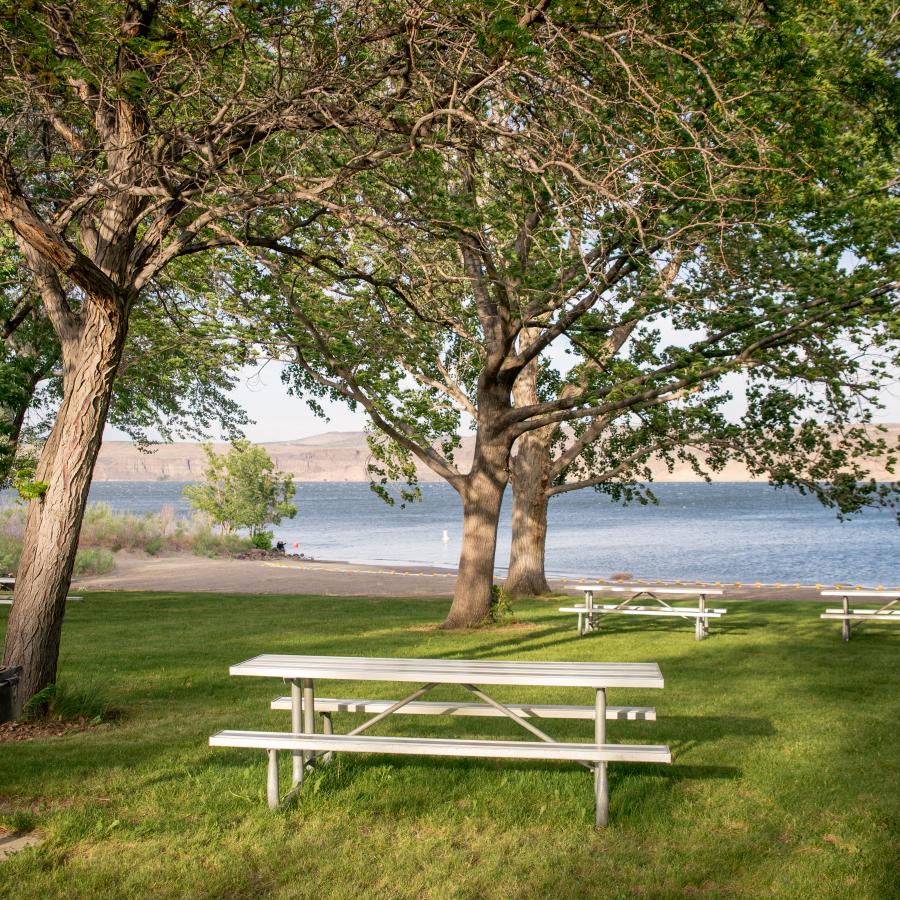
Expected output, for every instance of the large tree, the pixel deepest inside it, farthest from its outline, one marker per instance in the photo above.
(134, 133)
(832, 242)
(806, 399)
(614, 151)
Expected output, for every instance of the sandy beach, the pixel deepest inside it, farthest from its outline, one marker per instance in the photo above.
(186, 572)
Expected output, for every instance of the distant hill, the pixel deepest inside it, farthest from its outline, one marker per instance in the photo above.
(332, 456)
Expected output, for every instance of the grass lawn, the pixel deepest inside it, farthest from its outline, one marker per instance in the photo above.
(785, 779)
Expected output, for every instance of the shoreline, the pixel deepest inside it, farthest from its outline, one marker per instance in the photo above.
(338, 578)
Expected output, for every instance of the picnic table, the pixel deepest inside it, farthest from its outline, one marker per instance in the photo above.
(589, 612)
(308, 748)
(884, 613)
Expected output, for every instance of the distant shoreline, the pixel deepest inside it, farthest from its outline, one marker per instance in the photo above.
(342, 457)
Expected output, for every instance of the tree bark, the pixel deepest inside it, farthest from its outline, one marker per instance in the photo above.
(530, 477)
(482, 495)
(90, 359)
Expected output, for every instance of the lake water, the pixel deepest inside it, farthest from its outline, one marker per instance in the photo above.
(716, 532)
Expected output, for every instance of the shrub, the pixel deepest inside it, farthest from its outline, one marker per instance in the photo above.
(103, 530)
(205, 543)
(501, 608)
(262, 540)
(93, 561)
(61, 702)
(102, 527)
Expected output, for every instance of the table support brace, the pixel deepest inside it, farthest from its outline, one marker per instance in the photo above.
(517, 718)
(392, 709)
(376, 719)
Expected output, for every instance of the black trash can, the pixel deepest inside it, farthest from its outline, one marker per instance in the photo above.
(9, 686)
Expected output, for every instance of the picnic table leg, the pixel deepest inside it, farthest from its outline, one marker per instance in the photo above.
(845, 627)
(309, 711)
(601, 784)
(700, 629)
(589, 605)
(272, 779)
(296, 728)
(327, 728)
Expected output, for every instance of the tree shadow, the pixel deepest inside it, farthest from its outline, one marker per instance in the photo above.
(706, 728)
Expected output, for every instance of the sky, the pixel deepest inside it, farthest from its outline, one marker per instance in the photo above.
(281, 417)
(278, 416)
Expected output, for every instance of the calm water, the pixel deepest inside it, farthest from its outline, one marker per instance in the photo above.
(727, 532)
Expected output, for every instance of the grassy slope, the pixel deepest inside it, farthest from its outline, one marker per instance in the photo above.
(785, 779)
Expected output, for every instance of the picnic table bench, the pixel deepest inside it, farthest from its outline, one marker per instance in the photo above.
(701, 615)
(308, 748)
(7, 583)
(845, 615)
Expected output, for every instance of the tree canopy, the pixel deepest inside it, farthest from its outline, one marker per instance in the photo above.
(136, 134)
(693, 170)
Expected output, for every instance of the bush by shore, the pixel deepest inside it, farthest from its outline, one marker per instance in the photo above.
(105, 531)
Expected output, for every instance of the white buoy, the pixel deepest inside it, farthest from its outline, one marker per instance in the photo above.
(445, 537)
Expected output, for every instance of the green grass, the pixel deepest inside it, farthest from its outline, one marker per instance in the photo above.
(784, 783)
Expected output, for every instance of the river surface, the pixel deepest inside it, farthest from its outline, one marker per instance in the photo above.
(716, 532)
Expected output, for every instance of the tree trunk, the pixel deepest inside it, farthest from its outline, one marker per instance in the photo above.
(482, 496)
(53, 524)
(529, 476)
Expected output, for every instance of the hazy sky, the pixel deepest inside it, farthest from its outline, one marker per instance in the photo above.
(280, 417)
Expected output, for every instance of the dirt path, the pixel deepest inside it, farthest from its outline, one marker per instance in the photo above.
(185, 572)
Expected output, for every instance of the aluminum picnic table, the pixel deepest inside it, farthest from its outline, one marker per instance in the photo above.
(472, 675)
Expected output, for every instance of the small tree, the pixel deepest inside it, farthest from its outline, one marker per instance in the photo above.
(241, 489)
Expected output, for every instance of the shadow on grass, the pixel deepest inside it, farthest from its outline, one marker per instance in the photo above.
(699, 729)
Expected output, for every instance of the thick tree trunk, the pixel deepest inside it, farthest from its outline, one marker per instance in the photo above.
(482, 496)
(529, 477)
(90, 359)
